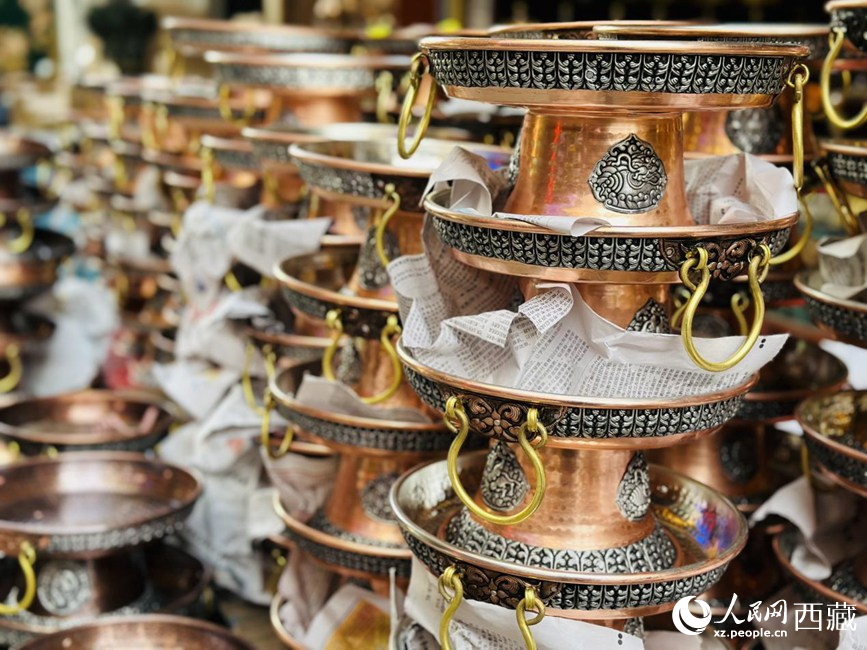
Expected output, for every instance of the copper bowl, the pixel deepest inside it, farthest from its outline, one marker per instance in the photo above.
(835, 431)
(92, 504)
(844, 320)
(152, 632)
(707, 529)
(87, 420)
(28, 330)
(174, 584)
(802, 369)
(34, 271)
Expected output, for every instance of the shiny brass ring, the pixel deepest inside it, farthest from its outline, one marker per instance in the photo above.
(449, 580)
(419, 66)
(231, 281)
(739, 304)
(758, 270)
(390, 195)
(157, 125)
(837, 198)
(16, 369)
(529, 603)
(836, 40)
(22, 242)
(332, 322)
(209, 187)
(26, 560)
(247, 381)
(115, 107)
(455, 413)
(224, 96)
(798, 77)
(383, 85)
(265, 434)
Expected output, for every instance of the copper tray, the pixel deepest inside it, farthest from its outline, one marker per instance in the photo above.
(35, 270)
(802, 369)
(498, 412)
(707, 529)
(153, 632)
(845, 320)
(607, 254)
(610, 75)
(92, 503)
(835, 431)
(363, 168)
(87, 420)
(176, 581)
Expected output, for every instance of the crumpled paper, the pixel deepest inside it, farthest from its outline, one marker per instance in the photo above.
(303, 482)
(195, 385)
(261, 244)
(306, 587)
(352, 618)
(830, 529)
(335, 397)
(843, 266)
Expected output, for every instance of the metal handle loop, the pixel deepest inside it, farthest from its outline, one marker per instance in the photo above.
(16, 369)
(26, 560)
(265, 434)
(419, 66)
(758, 270)
(529, 603)
(837, 198)
(332, 322)
(455, 413)
(247, 381)
(383, 85)
(449, 580)
(740, 303)
(390, 194)
(836, 41)
(24, 241)
(209, 187)
(224, 96)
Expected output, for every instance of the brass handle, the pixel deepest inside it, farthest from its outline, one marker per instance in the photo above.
(176, 63)
(394, 197)
(26, 560)
(231, 281)
(115, 116)
(157, 125)
(16, 369)
(121, 287)
(224, 96)
(837, 39)
(417, 69)
(758, 269)
(449, 580)
(797, 78)
(383, 85)
(22, 242)
(837, 198)
(389, 331)
(206, 155)
(265, 435)
(247, 381)
(531, 603)
(121, 178)
(740, 303)
(455, 413)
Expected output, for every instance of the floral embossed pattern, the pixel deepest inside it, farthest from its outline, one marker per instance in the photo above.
(629, 178)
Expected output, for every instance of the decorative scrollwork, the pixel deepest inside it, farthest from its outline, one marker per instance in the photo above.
(504, 484)
(650, 318)
(630, 177)
(633, 492)
(755, 130)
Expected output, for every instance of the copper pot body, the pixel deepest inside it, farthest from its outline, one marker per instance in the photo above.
(319, 110)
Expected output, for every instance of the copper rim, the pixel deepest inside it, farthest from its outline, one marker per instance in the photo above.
(310, 60)
(234, 145)
(287, 339)
(836, 5)
(292, 404)
(141, 631)
(476, 459)
(172, 162)
(175, 23)
(804, 282)
(61, 439)
(35, 530)
(851, 147)
(317, 153)
(725, 30)
(317, 536)
(433, 205)
(595, 46)
(819, 438)
(814, 585)
(551, 400)
(577, 26)
(282, 633)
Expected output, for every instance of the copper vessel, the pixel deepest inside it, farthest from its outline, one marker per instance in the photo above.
(845, 320)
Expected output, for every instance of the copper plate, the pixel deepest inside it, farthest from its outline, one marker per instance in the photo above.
(653, 76)
(631, 254)
(845, 320)
(92, 503)
(835, 429)
(176, 581)
(348, 433)
(363, 168)
(708, 528)
(35, 270)
(845, 584)
(154, 632)
(88, 419)
(574, 421)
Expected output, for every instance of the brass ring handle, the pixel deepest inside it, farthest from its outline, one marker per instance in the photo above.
(332, 322)
(836, 40)
(455, 413)
(231, 281)
(419, 66)
(121, 287)
(121, 178)
(153, 136)
(452, 590)
(798, 77)
(209, 187)
(383, 85)
(390, 195)
(26, 560)
(758, 269)
(16, 369)
(115, 107)
(529, 603)
(24, 241)
(224, 96)
(265, 434)
(837, 198)
(176, 63)
(740, 303)
(247, 381)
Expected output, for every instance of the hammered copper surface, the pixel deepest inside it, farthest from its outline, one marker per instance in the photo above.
(151, 632)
